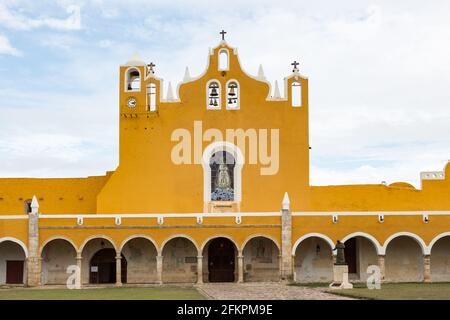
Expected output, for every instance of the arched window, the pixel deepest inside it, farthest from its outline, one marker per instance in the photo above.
(223, 60)
(151, 97)
(232, 95)
(213, 95)
(133, 80)
(222, 165)
(296, 94)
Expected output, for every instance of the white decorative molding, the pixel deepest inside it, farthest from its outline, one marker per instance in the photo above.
(425, 249)
(187, 75)
(432, 175)
(315, 235)
(335, 218)
(80, 221)
(118, 220)
(160, 220)
(14, 217)
(34, 205)
(276, 93)
(380, 218)
(261, 75)
(17, 241)
(425, 217)
(199, 219)
(286, 204)
(238, 219)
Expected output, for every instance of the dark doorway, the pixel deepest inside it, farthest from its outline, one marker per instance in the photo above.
(350, 255)
(102, 268)
(221, 261)
(14, 272)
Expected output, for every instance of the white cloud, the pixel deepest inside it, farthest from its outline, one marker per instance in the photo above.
(7, 48)
(15, 20)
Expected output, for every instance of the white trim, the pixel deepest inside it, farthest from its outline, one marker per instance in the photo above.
(311, 235)
(100, 236)
(220, 236)
(219, 97)
(437, 238)
(138, 236)
(419, 240)
(125, 89)
(367, 236)
(13, 217)
(237, 172)
(227, 214)
(16, 241)
(238, 89)
(228, 59)
(47, 241)
(185, 236)
(260, 235)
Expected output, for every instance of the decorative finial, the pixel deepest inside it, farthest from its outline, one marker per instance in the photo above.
(150, 68)
(169, 96)
(223, 32)
(34, 205)
(276, 93)
(286, 202)
(295, 64)
(187, 75)
(261, 75)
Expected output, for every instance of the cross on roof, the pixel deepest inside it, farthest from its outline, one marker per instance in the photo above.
(223, 32)
(295, 64)
(150, 66)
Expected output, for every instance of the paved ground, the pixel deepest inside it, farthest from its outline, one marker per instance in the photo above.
(263, 291)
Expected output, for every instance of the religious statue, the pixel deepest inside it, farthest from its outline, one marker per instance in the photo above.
(340, 255)
(223, 190)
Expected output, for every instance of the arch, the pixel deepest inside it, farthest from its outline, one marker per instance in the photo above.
(419, 240)
(178, 236)
(131, 74)
(296, 94)
(436, 239)
(371, 238)
(223, 60)
(16, 241)
(136, 236)
(86, 241)
(47, 241)
(233, 101)
(260, 235)
(310, 235)
(218, 236)
(237, 173)
(213, 94)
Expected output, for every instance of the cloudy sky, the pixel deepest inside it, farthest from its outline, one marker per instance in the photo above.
(379, 76)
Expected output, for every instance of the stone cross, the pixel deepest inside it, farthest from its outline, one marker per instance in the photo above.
(295, 64)
(150, 66)
(223, 32)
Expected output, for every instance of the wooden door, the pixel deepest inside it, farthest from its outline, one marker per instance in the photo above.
(14, 272)
(221, 260)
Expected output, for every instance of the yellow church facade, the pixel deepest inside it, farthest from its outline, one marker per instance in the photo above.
(213, 186)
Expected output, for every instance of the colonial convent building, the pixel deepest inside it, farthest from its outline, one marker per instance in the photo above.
(213, 186)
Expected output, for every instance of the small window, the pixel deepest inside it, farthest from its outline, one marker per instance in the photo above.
(27, 206)
(223, 60)
(296, 94)
(133, 80)
(213, 98)
(151, 97)
(232, 95)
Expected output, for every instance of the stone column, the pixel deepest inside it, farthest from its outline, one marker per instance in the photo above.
(427, 268)
(80, 268)
(240, 267)
(118, 269)
(286, 241)
(159, 267)
(381, 265)
(33, 260)
(199, 269)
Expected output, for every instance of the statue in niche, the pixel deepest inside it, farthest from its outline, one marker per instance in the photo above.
(222, 181)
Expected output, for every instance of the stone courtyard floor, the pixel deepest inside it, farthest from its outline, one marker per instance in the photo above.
(264, 291)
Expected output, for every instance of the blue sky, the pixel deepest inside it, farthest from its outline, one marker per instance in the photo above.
(379, 75)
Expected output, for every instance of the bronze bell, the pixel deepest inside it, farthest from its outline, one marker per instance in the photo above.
(214, 92)
(232, 92)
(215, 103)
(211, 102)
